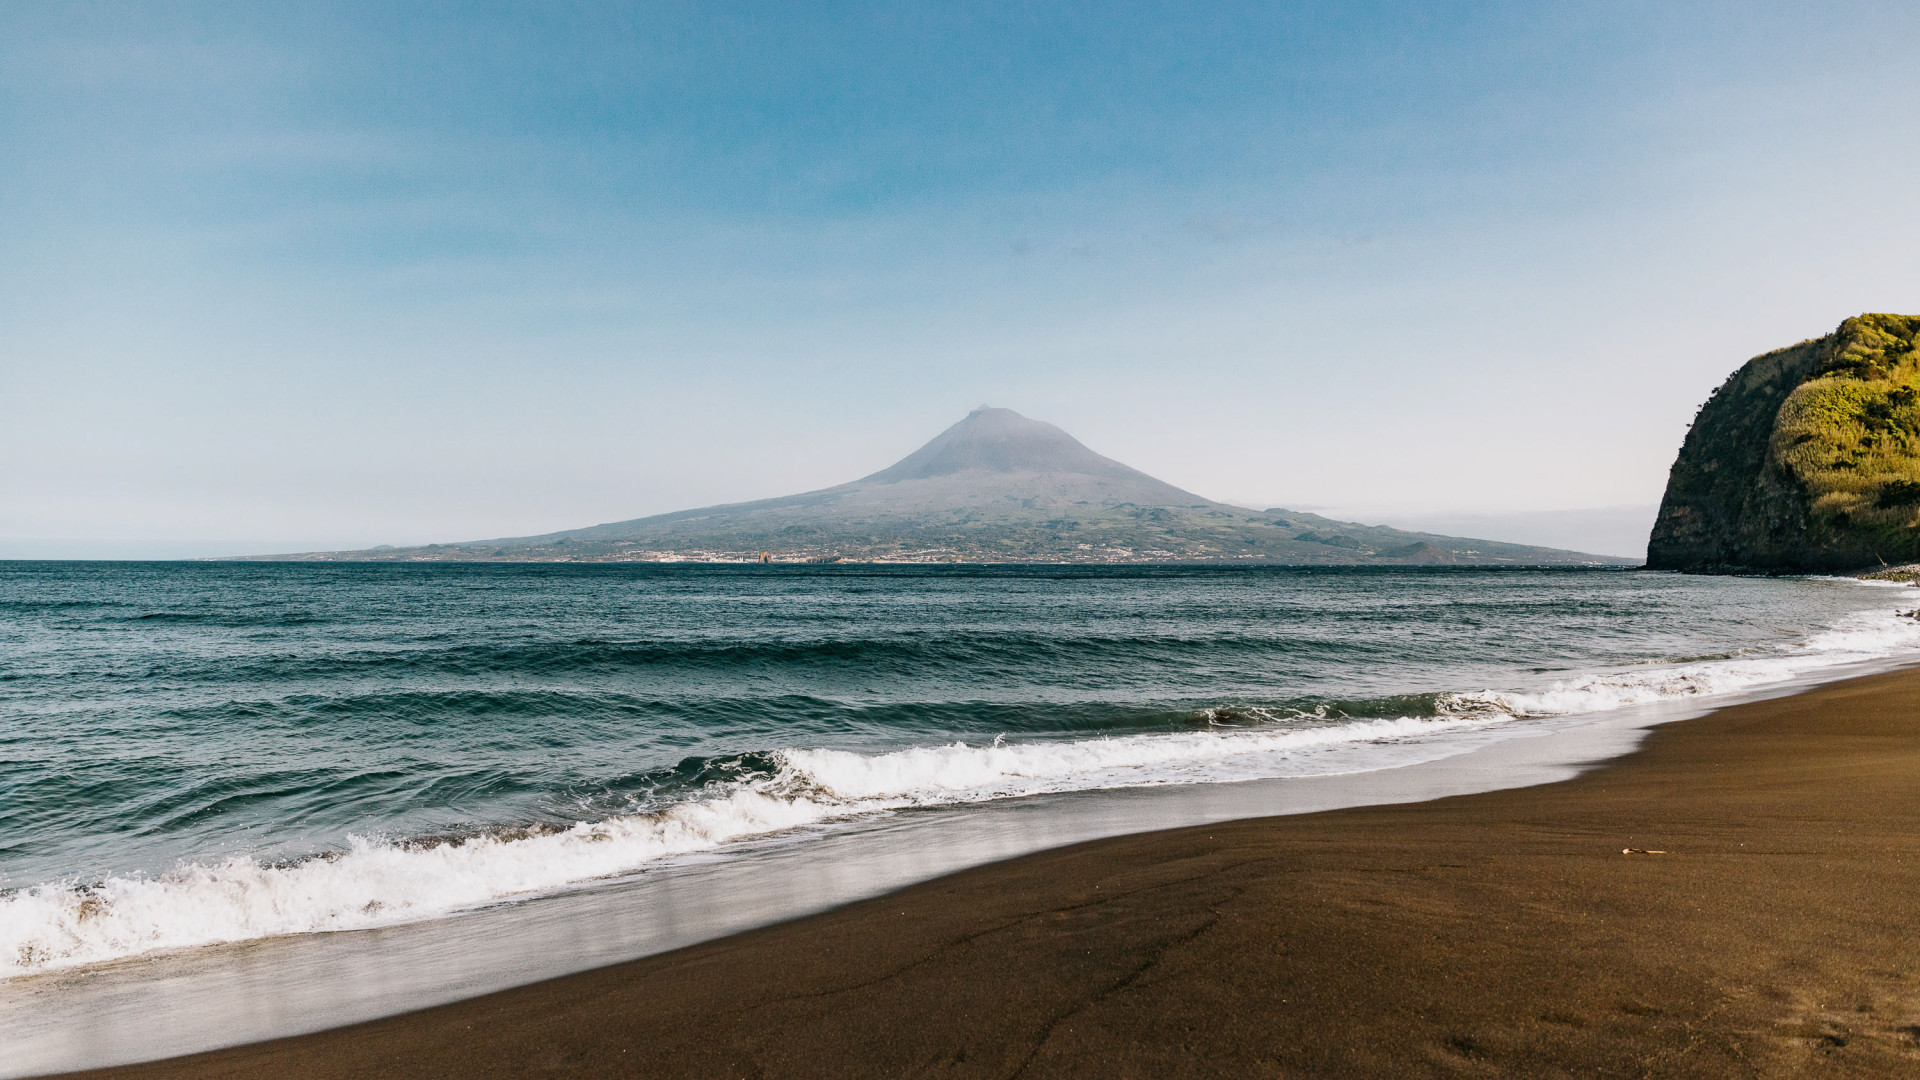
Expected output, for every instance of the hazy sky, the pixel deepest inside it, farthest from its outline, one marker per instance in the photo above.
(356, 273)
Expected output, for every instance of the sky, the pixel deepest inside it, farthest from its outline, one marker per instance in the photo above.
(286, 276)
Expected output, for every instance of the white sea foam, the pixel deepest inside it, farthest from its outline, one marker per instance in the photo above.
(370, 884)
(378, 882)
(959, 772)
(1859, 638)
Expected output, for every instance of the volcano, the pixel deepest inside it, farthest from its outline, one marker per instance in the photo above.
(995, 487)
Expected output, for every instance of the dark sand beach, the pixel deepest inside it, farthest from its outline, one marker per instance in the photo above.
(1502, 934)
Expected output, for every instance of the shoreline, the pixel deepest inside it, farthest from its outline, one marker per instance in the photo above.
(195, 999)
(1482, 933)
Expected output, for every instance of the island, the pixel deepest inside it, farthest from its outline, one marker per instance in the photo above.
(996, 487)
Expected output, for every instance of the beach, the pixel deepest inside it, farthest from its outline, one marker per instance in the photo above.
(636, 540)
(1735, 898)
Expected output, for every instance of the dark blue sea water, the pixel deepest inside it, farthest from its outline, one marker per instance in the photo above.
(202, 752)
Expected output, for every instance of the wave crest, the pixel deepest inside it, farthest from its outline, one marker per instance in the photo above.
(378, 882)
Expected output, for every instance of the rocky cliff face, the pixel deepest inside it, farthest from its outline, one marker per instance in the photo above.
(1806, 460)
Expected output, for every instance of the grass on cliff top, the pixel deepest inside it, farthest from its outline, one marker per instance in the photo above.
(1851, 432)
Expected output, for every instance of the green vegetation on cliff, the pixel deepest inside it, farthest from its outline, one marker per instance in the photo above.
(1807, 459)
(1851, 434)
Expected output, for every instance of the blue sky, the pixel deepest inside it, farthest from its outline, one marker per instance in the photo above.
(339, 273)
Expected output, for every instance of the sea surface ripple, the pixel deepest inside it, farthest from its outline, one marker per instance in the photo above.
(201, 752)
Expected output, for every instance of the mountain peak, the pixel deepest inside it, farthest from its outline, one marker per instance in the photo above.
(995, 487)
(1002, 441)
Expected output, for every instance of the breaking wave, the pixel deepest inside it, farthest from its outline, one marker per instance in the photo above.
(379, 881)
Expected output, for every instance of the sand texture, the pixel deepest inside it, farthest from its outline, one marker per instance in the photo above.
(1501, 934)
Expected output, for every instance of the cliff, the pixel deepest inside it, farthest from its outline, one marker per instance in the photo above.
(1806, 460)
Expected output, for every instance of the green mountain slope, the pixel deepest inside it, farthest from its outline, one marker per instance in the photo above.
(1807, 459)
(995, 487)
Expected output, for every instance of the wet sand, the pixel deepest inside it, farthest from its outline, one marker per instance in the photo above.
(1500, 934)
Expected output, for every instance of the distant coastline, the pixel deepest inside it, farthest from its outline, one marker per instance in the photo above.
(937, 557)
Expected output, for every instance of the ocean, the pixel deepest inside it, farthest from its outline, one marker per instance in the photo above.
(201, 753)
